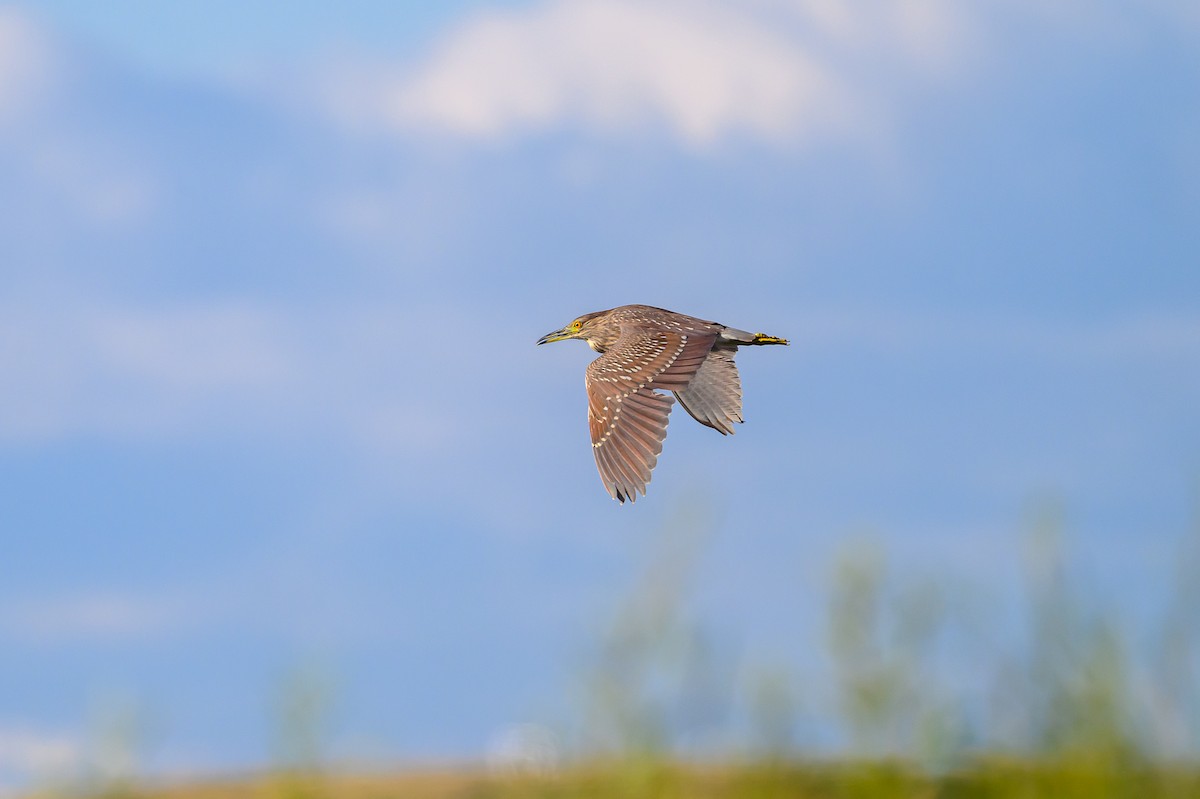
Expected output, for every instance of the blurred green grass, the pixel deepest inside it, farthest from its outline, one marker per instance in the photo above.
(998, 779)
(1073, 709)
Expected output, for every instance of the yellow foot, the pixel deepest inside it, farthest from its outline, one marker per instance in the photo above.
(762, 338)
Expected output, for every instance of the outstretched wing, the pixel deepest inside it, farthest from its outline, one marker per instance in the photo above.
(627, 417)
(627, 435)
(714, 395)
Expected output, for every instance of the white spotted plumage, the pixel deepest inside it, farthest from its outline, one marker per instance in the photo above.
(646, 351)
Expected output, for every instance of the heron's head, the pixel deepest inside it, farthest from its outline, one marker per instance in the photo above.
(585, 327)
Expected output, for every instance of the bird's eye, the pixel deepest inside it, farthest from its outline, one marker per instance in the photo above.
(576, 325)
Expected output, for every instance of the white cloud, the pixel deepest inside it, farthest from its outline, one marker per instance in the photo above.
(703, 71)
(26, 63)
(27, 753)
(782, 71)
(905, 35)
(76, 164)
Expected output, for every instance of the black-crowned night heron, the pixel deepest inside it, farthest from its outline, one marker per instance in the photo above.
(647, 348)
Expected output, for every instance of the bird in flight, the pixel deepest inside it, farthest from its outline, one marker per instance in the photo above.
(644, 349)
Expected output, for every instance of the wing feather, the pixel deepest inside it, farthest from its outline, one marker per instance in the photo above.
(714, 395)
(627, 417)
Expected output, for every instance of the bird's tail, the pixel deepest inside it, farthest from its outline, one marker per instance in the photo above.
(742, 337)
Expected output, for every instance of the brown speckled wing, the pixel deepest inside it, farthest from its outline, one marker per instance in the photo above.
(714, 395)
(627, 418)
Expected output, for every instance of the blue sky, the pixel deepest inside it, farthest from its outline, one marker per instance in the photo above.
(273, 273)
